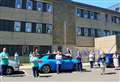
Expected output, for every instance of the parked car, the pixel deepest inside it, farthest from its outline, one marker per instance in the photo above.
(48, 63)
(12, 67)
(109, 60)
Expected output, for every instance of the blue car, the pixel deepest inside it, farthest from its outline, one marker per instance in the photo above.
(47, 63)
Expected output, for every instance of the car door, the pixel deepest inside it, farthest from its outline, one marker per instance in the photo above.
(52, 62)
(67, 63)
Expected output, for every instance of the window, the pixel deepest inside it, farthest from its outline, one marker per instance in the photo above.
(18, 4)
(39, 28)
(116, 20)
(107, 32)
(39, 6)
(89, 31)
(49, 8)
(29, 4)
(52, 56)
(17, 26)
(91, 15)
(82, 32)
(95, 15)
(49, 28)
(86, 14)
(92, 32)
(101, 32)
(78, 31)
(79, 12)
(28, 27)
(117, 9)
(44, 7)
(6, 25)
(86, 31)
(106, 17)
(115, 33)
(96, 33)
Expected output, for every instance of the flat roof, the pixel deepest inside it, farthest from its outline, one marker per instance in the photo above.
(94, 7)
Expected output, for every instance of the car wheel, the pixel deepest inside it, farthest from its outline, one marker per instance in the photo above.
(9, 70)
(46, 69)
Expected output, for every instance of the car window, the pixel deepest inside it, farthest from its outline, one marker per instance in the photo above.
(52, 56)
(66, 57)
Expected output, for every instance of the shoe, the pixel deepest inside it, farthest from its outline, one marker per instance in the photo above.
(1, 76)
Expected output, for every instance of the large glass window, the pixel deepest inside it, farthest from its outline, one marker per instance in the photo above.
(39, 6)
(18, 4)
(49, 8)
(28, 27)
(29, 4)
(49, 28)
(17, 26)
(39, 28)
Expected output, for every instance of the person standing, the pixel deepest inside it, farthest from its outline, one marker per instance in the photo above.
(58, 62)
(17, 58)
(79, 58)
(34, 58)
(103, 64)
(91, 59)
(4, 62)
(115, 60)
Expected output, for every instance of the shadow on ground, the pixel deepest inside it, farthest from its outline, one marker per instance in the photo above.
(110, 73)
(17, 74)
(45, 76)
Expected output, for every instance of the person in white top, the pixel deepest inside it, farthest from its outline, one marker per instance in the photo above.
(115, 60)
(91, 59)
(58, 62)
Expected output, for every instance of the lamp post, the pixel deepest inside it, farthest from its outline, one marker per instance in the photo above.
(65, 34)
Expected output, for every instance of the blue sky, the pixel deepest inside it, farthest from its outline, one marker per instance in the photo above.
(99, 3)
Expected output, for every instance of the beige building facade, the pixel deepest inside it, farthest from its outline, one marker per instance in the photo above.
(53, 24)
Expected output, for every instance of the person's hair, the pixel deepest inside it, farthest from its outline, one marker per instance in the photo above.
(35, 48)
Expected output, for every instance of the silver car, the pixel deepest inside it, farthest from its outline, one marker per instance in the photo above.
(12, 67)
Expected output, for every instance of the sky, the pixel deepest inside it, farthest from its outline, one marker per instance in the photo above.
(99, 3)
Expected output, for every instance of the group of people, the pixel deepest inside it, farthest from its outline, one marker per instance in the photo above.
(101, 61)
(34, 60)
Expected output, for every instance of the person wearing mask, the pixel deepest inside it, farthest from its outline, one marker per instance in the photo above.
(34, 59)
(115, 60)
(58, 62)
(4, 62)
(79, 58)
(91, 59)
